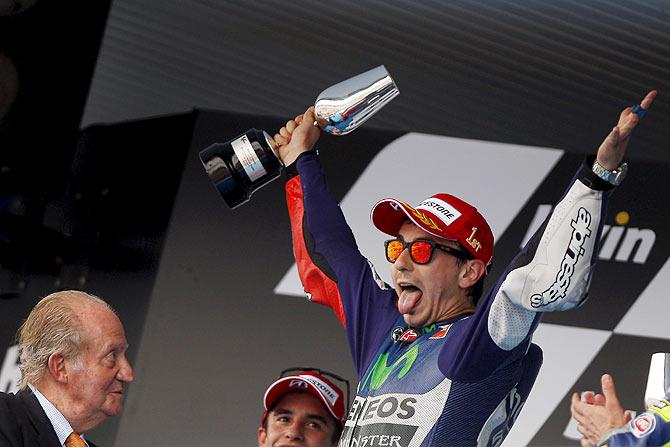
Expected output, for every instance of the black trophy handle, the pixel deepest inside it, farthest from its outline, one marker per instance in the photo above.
(242, 165)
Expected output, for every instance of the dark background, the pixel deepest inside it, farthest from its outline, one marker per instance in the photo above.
(93, 206)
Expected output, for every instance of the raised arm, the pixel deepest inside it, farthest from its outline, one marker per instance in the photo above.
(555, 266)
(332, 270)
(553, 271)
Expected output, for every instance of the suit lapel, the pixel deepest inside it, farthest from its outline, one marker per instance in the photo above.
(44, 431)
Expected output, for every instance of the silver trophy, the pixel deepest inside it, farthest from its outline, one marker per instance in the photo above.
(249, 161)
(658, 381)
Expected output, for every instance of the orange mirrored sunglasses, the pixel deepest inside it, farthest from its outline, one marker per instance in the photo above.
(420, 250)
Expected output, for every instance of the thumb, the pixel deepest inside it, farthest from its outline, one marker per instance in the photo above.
(309, 116)
(609, 390)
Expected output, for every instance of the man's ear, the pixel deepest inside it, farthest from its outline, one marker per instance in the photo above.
(56, 367)
(471, 272)
(262, 437)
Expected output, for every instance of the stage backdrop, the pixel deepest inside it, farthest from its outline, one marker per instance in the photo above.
(226, 314)
(104, 235)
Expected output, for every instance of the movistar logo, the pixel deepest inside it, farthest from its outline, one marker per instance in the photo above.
(428, 329)
(381, 370)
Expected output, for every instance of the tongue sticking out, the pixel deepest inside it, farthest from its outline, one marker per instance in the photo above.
(408, 299)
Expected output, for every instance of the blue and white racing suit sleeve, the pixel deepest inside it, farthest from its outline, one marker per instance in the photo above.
(551, 273)
(651, 428)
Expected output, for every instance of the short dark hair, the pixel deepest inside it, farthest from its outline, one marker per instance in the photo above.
(337, 425)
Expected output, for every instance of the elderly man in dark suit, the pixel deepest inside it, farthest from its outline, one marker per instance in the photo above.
(73, 371)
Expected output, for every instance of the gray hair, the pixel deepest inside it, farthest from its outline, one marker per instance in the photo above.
(52, 327)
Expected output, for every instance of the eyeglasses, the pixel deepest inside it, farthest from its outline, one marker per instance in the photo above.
(323, 372)
(420, 250)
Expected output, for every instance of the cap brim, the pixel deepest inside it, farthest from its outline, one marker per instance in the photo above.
(281, 387)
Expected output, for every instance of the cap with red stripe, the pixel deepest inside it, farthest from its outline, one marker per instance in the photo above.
(441, 215)
(307, 382)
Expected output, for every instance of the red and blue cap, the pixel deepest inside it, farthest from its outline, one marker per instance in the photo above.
(310, 382)
(441, 215)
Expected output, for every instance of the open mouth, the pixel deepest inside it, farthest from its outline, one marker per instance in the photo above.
(407, 286)
(409, 296)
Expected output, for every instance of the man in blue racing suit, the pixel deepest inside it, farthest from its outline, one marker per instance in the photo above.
(437, 365)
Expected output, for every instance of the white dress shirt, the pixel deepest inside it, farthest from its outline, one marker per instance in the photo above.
(61, 426)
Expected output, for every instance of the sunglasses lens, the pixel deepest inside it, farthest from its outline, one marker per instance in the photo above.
(421, 252)
(393, 250)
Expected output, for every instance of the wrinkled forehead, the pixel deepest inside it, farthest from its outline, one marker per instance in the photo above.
(102, 326)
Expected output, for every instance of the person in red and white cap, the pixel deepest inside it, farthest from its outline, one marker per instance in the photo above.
(437, 364)
(303, 409)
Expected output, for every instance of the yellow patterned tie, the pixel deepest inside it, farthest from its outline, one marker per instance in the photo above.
(74, 440)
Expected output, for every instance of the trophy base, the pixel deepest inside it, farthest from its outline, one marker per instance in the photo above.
(241, 166)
